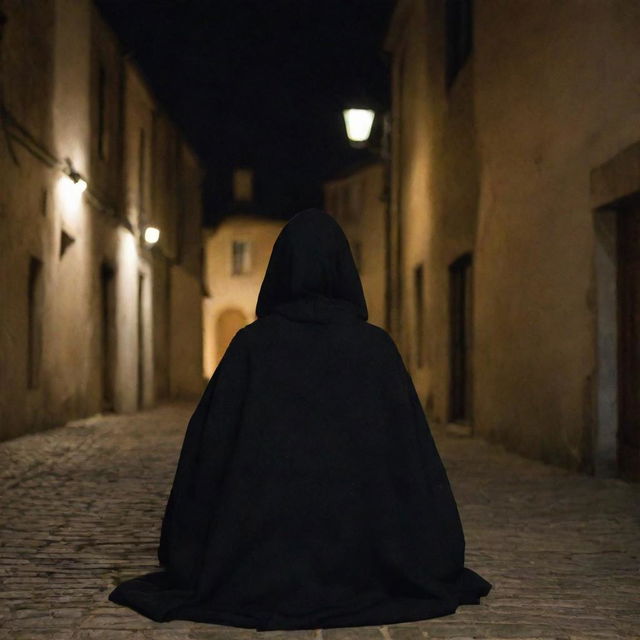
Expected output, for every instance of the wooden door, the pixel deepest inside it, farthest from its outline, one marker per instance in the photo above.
(628, 286)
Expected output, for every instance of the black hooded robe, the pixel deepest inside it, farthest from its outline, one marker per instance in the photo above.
(309, 492)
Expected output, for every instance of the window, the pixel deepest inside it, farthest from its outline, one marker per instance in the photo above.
(66, 241)
(458, 37)
(241, 258)
(35, 300)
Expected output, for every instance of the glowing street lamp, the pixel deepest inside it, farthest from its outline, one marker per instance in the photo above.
(151, 235)
(358, 123)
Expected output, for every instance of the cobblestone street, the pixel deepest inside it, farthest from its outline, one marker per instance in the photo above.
(81, 508)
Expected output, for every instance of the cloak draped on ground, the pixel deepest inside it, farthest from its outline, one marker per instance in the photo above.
(309, 492)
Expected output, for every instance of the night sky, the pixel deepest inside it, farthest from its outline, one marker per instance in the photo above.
(260, 83)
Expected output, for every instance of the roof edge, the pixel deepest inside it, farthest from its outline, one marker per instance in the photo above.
(399, 19)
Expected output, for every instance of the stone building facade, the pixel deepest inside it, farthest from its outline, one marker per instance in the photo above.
(92, 317)
(237, 252)
(516, 147)
(357, 200)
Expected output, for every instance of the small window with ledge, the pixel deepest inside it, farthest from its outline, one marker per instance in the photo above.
(240, 257)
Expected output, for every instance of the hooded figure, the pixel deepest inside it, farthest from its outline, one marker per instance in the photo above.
(309, 492)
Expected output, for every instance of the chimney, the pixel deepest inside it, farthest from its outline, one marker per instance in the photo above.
(243, 185)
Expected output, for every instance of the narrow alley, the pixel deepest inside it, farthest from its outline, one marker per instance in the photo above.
(82, 504)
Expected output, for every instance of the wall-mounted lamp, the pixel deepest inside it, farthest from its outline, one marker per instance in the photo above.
(79, 182)
(358, 123)
(151, 235)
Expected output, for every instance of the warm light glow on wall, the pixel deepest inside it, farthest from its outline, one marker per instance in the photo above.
(74, 176)
(358, 123)
(79, 184)
(151, 235)
(70, 191)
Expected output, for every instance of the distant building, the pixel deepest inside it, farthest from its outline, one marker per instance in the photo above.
(236, 256)
(516, 227)
(357, 201)
(92, 318)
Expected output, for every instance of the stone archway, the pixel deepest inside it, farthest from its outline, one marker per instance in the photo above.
(227, 324)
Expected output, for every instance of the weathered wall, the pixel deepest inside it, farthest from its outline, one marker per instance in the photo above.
(434, 191)
(165, 199)
(26, 227)
(161, 324)
(136, 174)
(499, 165)
(191, 236)
(138, 148)
(177, 210)
(568, 74)
(51, 62)
(186, 380)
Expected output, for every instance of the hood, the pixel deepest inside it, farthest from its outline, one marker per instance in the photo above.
(311, 275)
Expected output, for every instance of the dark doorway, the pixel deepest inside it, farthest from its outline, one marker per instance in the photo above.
(108, 332)
(141, 340)
(460, 339)
(418, 284)
(628, 286)
(35, 305)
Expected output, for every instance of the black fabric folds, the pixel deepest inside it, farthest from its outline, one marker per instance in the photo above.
(309, 492)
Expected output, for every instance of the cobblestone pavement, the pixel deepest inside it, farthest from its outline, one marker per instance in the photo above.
(81, 508)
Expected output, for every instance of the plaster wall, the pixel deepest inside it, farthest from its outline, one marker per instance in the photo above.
(50, 59)
(186, 380)
(499, 164)
(434, 191)
(556, 96)
(228, 291)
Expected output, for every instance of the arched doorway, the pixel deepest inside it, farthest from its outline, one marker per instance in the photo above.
(228, 323)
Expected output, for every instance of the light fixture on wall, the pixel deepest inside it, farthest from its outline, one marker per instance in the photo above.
(151, 235)
(79, 182)
(358, 123)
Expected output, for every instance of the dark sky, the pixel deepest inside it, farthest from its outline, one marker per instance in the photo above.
(260, 83)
